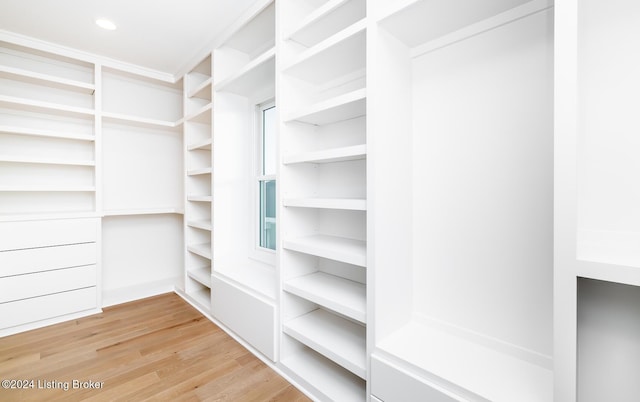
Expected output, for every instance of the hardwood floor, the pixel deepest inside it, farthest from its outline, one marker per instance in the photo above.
(158, 348)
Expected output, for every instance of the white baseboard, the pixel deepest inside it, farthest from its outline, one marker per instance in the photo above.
(123, 295)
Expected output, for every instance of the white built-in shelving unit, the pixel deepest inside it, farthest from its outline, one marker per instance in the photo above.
(47, 135)
(198, 162)
(323, 190)
(461, 128)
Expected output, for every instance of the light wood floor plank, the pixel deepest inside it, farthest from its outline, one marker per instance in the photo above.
(159, 348)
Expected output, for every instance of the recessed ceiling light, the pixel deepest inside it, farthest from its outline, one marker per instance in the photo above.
(106, 24)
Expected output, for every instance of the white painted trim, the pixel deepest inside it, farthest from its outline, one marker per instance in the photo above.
(60, 50)
(112, 297)
(45, 323)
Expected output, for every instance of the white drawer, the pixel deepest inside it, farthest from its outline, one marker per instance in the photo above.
(19, 287)
(249, 317)
(30, 234)
(40, 308)
(393, 384)
(17, 262)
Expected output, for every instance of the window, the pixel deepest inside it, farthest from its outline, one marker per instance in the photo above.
(266, 178)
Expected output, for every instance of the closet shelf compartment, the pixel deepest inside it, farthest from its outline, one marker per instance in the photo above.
(417, 22)
(200, 224)
(201, 275)
(472, 366)
(336, 338)
(254, 75)
(343, 296)
(311, 29)
(202, 298)
(46, 79)
(198, 172)
(339, 108)
(202, 115)
(47, 107)
(45, 133)
(44, 161)
(203, 250)
(350, 204)
(138, 121)
(206, 144)
(342, 154)
(203, 90)
(341, 54)
(332, 247)
(334, 381)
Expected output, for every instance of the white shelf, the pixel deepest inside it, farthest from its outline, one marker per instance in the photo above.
(201, 275)
(203, 250)
(46, 79)
(476, 368)
(332, 380)
(417, 22)
(351, 204)
(206, 144)
(49, 189)
(344, 296)
(200, 224)
(202, 90)
(202, 115)
(44, 161)
(138, 121)
(141, 211)
(39, 107)
(339, 55)
(342, 154)
(312, 29)
(200, 198)
(256, 74)
(43, 216)
(334, 337)
(197, 172)
(45, 133)
(334, 248)
(339, 108)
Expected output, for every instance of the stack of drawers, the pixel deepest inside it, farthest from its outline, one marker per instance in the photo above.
(48, 269)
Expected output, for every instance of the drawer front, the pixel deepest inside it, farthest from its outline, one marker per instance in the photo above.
(19, 287)
(50, 306)
(30, 234)
(249, 317)
(392, 384)
(18, 262)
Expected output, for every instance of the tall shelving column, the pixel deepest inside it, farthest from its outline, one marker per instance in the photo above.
(323, 212)
(49, 227)
(142, 184)
(198, 182)
(244, 285)
(462, 238)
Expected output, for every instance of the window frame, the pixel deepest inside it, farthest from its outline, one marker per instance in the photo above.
(257, 252)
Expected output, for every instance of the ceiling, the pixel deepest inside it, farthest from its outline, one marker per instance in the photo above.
(160, 35)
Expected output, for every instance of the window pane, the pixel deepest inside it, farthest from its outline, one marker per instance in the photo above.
(268, 214)
(269, 141)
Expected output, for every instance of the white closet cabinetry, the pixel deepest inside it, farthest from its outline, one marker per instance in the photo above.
(142, 184)
(198, 169)
(244, 285)
(323, 213)
(461, 139)
(47, 136)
